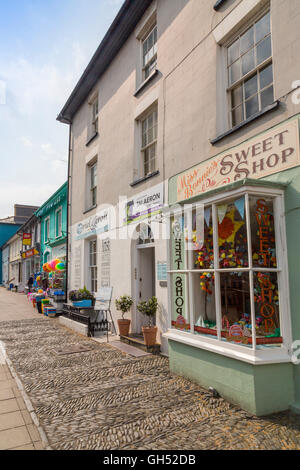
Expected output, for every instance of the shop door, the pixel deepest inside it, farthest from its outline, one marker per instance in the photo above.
(146, 281)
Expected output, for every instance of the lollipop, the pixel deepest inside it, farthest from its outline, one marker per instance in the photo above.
(60, 267)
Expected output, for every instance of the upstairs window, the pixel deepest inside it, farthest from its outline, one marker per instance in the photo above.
(149, 45)
(250, 71)
(58, 223)
(47, 230)
(149, 142)
(93, 184)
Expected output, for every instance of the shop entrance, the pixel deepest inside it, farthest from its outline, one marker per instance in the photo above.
(145, 280)
(144, 272)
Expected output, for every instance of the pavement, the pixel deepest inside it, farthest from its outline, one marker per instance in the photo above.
(86, 395)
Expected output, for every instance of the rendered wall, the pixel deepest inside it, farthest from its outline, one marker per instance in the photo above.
(261, 390)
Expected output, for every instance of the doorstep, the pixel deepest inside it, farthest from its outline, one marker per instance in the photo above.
(138, 342)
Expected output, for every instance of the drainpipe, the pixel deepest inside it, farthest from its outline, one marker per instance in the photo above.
(68, 208)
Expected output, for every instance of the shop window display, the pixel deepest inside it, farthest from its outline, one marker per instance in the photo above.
(229, 287)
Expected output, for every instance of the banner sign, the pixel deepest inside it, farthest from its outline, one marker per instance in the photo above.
(95, 225)
(144, 204)
(27, 239)
(30, 253)
(274, 151)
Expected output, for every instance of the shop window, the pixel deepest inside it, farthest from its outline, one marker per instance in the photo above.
(93, 271)
(225, 271)
(250, 71)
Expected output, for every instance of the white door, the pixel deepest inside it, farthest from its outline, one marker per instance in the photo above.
(146, 281)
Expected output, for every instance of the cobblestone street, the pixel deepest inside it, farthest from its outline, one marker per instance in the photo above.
(105, 399)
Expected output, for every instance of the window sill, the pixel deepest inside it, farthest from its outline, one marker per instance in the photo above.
(144, 178)
(266, 110)
(90, 140)
(239, 353)
(145, 82)
(90, 209)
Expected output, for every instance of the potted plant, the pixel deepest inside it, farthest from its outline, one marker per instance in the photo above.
(124, 304)
(81, 298)
(149, 308)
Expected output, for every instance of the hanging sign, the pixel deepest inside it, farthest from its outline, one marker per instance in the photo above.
(30, 253)
(27, 240)
(274, 151)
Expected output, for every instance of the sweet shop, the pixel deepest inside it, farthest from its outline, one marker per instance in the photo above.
(232, 264)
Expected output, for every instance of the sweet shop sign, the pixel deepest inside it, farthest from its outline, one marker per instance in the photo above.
(276, 150)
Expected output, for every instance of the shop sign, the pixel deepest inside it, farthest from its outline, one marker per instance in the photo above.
(96, 224)
(27, 239)
(179, 287)
(274, 151)
(145, 204)
(30, 253)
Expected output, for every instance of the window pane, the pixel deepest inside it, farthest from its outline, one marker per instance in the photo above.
(264, 50)
(234, 72)
(262, 27)
(237, 96)
(263, 232)
(266, 298)
(203, 253)
(267, 97)
(250, 86)
(236, 308)
(180, 310)
(247, 40)
(252, 106)
(266, 76)
(204, 304)
(233, 52)
(248, 62)
(237, 115)
(232, 231)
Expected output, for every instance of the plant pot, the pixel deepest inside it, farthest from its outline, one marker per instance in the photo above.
(149, 335)
(83, 303)
(124, 326)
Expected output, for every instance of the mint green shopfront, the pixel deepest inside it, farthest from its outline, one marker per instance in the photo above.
(234, 264)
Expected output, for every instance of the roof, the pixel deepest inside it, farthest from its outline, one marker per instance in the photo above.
(119, 31)
(53, 200)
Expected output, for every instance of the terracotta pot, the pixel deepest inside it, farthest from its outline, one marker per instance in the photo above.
(124, 326)
(149, 335)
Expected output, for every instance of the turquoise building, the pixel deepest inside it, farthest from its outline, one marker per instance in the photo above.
(53, 217)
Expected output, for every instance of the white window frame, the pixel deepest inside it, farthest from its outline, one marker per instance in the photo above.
(251, 355)
(93, 189)
(145, 148)
(95, 115)
(153, 59)
(252, 73)
(58, 235)
(46, 235)
(92, 267)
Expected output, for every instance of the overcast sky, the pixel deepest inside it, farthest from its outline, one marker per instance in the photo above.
(44, 47)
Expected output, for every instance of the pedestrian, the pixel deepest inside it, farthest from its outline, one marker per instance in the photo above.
(30, 282)
(45, 284)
